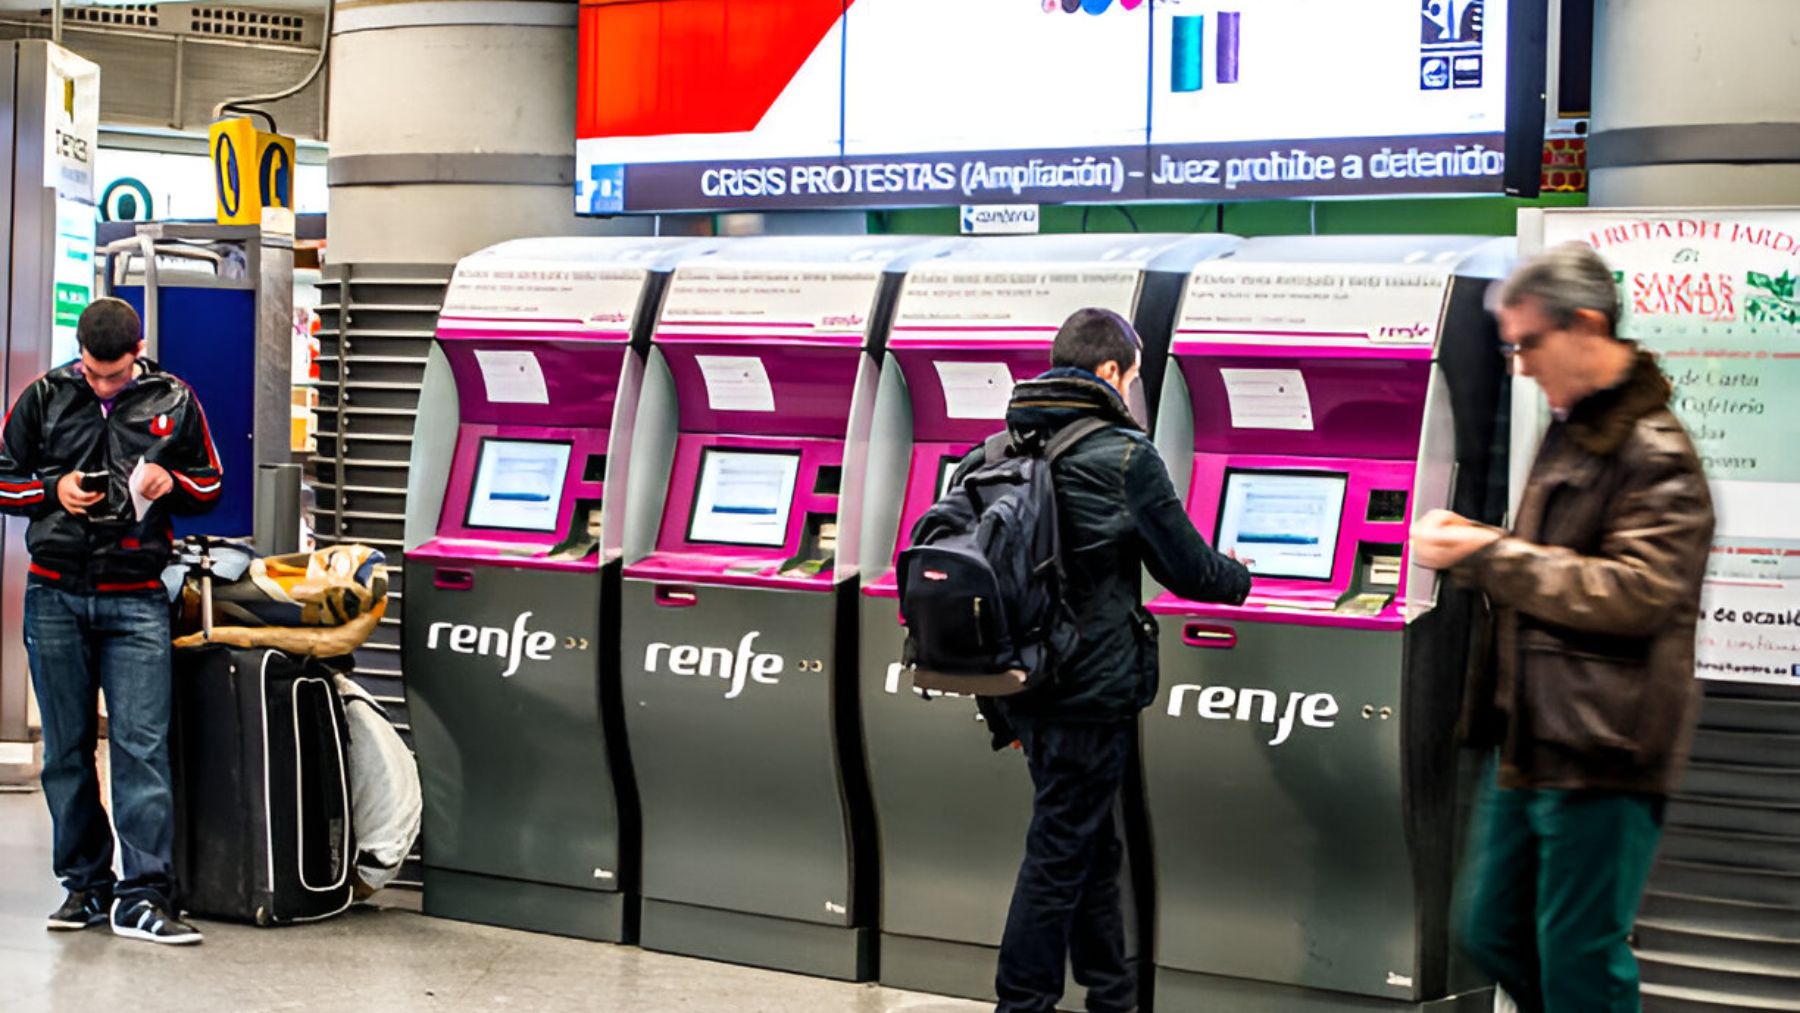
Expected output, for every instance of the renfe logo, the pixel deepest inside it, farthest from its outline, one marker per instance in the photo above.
(514, 646)
(720, 663)
(1412, 332)
(1222, 703)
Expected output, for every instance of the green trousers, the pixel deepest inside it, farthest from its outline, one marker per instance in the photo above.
(1550, 891)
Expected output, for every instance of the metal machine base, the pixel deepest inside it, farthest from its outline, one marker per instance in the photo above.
(963, 970)
(779, 944)
(1179, 991)
(533, 907)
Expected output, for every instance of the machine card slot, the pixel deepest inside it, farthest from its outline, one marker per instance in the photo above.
(676, 596)
(1209, 635)
(445, 579)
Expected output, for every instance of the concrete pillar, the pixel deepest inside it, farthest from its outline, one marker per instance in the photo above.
(452, 127)
(1695, 103)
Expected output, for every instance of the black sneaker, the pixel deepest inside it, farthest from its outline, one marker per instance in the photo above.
(143, 919)
(83, 909)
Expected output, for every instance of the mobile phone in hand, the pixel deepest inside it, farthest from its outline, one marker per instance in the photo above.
(94, 481)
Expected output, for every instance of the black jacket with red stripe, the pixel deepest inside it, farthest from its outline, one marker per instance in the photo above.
(59, 425)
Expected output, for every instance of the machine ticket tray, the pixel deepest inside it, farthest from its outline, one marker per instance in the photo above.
(739, 571)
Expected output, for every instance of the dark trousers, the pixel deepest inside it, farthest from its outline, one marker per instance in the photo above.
(80, 645)
(1551, 891)
(1065, 905)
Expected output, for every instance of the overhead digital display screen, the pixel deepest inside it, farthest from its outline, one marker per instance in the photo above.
(715, 104)
(744, 497)
(518, 485)
(1282, 524)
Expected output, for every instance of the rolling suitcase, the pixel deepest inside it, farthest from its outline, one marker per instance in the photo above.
(258, 743)
(262, 794)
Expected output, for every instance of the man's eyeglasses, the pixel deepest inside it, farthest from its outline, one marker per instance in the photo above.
(1530, 342)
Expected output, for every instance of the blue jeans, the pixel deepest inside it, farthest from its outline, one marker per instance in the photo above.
(1066, 904)
(80, 645)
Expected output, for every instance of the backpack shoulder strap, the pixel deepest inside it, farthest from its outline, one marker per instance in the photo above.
(1072, 434)
(997, 447)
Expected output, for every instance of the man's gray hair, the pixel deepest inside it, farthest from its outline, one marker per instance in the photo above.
(1562, 280)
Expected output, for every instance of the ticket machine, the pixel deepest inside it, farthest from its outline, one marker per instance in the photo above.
(512, 600)
(738, 604)
(950, 811)
(1304, 790)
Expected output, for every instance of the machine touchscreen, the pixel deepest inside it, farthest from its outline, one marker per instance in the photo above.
(946, 468)
(518, 485)
(743, 497)
(1282, 524)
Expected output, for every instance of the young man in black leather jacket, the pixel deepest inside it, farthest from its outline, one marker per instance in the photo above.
(1119, 514)
(83, 446)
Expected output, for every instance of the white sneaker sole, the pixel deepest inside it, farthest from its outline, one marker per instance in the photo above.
(147, 936)
(57, 925)
(183, 940)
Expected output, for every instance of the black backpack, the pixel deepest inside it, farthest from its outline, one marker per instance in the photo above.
(981, 586)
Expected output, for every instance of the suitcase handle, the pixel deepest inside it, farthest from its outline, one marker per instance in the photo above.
(676, 596)
(453, 580)
(1209, 635)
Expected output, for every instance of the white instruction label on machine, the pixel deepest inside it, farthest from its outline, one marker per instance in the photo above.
(512, 377)
(736, 383)
(975, 390)
(1268, 399)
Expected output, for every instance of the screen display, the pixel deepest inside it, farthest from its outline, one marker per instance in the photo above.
(518, 485)
(1282, 524)
(754, 104)
(946, 470)
(744, 497)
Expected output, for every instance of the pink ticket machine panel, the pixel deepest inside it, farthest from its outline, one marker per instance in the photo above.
(510, 628)
(1323, 394)
(967, 326)
(739, 588)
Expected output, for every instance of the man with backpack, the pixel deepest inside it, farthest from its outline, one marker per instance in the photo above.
(1115, 512)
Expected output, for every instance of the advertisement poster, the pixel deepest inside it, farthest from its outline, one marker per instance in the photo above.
(72, 125)
(72, 276)
(753, 104)
(1717, 295)
(71, 144)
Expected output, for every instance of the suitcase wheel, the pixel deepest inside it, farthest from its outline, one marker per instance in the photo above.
(262, 917)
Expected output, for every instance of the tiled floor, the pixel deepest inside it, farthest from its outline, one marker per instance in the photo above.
(390, 960)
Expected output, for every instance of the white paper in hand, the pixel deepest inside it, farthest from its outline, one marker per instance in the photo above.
(139, 502)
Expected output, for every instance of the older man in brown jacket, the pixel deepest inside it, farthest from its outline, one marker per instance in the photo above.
(1589, 696)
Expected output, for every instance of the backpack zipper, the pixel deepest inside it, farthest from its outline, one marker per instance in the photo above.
(980, 641)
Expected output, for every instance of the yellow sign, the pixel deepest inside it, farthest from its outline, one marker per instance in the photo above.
(251, 171)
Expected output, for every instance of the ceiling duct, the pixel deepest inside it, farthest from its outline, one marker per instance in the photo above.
(167, 65)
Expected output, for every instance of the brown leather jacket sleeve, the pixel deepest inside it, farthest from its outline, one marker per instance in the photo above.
(1656, 535)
